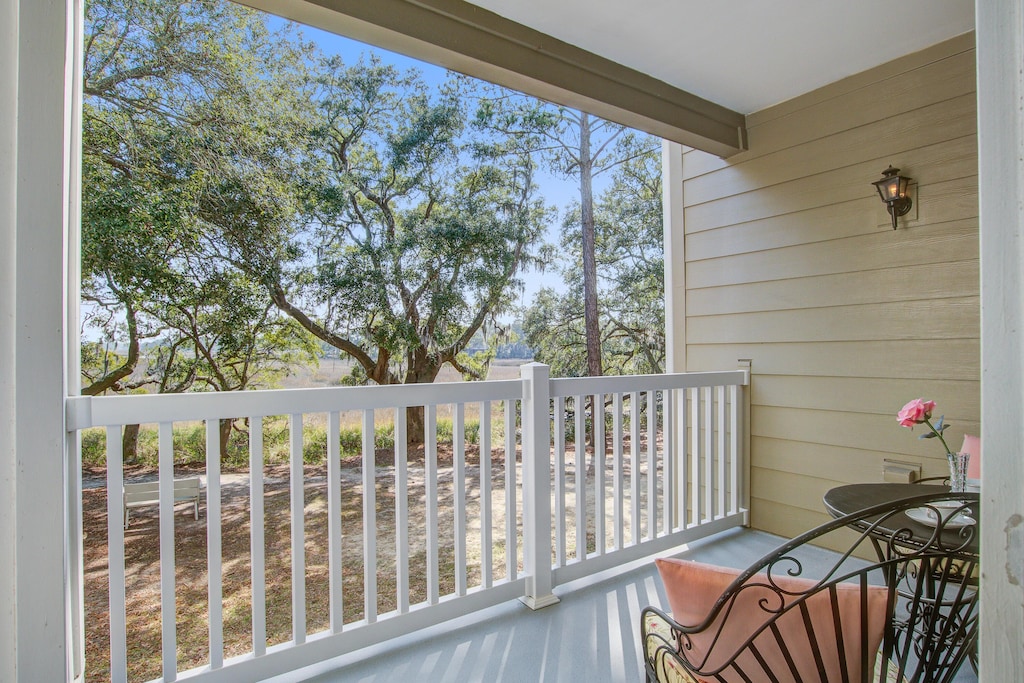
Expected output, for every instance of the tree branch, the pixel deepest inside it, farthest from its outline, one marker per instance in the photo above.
(280, 300)
(110, 380)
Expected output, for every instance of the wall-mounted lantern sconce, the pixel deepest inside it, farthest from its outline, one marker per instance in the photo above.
(892, 188)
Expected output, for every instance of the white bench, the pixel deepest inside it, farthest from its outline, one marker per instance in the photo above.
(148, 493)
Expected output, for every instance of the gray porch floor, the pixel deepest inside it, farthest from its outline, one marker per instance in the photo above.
(591, 635)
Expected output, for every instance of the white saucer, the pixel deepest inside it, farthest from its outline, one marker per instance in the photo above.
(928, 517)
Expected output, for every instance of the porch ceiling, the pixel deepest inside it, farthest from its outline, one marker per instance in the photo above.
(744, 54)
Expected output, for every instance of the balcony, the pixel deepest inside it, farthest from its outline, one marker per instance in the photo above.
(377, 552)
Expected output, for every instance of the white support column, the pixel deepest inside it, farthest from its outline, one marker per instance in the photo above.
(1000, 53)
(75, 585)
(675, 313)
(537, 486)
(43, 151)
(675, 263)
(8, 357)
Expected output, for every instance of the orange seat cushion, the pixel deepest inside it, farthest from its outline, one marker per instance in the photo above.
(693, 588)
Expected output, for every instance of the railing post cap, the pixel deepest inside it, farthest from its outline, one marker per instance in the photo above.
(534, 368)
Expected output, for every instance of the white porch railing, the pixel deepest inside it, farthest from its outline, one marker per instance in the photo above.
(612, 469)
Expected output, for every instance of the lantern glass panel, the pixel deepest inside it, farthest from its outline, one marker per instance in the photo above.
(888, 188)
(903, 186)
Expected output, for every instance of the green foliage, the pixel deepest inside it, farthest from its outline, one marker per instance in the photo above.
(246, 193)
(629, 248)
(610, 248)
(409, 241)
(94, 444)
(98, 358)
(187, 110)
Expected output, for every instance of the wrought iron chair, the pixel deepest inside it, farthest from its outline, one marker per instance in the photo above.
(908, 614)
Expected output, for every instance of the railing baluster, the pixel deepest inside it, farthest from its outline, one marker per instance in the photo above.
(734, 442)
(634, 468)
(115, 557)
(652, 466)
(430, 477)
(709, 468)
(165, 468)
(213, 544)
(298, 528)
(511, 544)
(669, 445)
(559, 441)
(334, 521)
(484, 438)
(369, 519)
(256, 538)
(597, 410)
(618, 491)
(679, 434)
(401, 511)
(695, 427)
(580, 445)
(459, 463)
(720, 512)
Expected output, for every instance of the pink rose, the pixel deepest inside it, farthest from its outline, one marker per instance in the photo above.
(915, 412)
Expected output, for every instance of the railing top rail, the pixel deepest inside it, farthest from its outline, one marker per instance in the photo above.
(582, 386)
(97, 411)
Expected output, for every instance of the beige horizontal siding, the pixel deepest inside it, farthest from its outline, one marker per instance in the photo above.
(947, 201)
(874, 432)
(790, 521)
(872, 395)
(953, 359)
(951, 318)
(884, 248)
(909, 283)
(790, 260)
(832, 463)
(938, 162)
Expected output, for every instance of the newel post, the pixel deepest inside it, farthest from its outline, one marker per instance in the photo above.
(537, 536)
(745, 364)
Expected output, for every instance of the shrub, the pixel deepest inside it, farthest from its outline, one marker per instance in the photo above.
(94, 447)
(189, 444)
(314, 444)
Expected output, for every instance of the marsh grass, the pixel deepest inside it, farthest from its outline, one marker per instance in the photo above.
(189, 439)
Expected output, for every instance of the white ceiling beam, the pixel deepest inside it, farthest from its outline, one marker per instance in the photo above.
(474, 41)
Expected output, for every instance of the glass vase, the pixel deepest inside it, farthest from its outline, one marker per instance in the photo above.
(958, 471)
